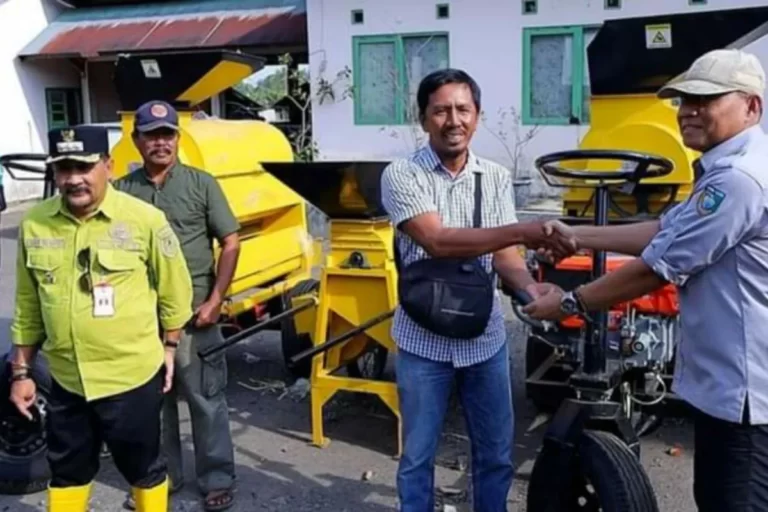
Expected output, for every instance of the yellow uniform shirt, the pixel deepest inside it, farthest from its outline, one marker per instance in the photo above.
(128, 246)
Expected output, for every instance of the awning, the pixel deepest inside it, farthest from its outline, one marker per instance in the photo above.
(205, 24)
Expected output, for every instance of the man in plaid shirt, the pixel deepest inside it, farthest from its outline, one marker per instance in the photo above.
(429, 197)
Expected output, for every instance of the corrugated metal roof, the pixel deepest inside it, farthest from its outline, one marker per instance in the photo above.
(177, 25)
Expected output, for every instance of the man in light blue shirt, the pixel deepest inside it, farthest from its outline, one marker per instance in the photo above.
(714, 247)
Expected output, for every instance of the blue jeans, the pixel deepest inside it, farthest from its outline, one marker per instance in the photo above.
(485, 392)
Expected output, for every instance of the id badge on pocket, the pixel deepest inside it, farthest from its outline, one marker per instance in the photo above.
(103, 300)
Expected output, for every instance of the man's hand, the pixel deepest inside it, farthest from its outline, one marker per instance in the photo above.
(23, 395)
(170, 355)
(559, 228)
(208, 313)
(536, 290)
(562, 232)
(549, 241)
(546, 306)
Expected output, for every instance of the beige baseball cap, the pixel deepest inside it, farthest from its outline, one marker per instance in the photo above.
(718, 72)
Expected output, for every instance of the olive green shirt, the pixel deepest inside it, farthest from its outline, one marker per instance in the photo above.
(198, 212)
(128, 246)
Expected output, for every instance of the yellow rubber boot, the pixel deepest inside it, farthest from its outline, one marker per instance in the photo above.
(152, 500)
(69, 499)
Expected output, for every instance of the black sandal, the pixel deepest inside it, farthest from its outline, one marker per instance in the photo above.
(219, 500)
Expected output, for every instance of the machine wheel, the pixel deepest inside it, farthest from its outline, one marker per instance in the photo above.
(371, 365)
(23, 464)
(292, 342)
(605, 475)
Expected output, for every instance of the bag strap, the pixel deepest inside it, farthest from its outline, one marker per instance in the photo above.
(477, 222)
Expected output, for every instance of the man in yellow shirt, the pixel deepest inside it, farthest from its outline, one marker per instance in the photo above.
(98, 273)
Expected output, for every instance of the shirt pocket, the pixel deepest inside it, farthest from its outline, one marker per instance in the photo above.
(117, 267)
(46, 268)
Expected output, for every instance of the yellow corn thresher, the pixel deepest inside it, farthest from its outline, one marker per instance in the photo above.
(358, 292)
(277, 252)
(345, 313)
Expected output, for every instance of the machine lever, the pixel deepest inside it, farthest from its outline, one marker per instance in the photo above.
(520, 299)
(521, 296)
(245, 333)
(311, 352)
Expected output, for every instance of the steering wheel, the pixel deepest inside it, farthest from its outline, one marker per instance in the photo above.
(14, 161)
(648, 166)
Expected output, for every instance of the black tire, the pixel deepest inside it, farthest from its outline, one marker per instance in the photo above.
(293, 343)
(602, 462)
(24, 466)
(370, 365)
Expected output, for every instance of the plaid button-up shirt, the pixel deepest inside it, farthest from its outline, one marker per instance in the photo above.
(420, 184)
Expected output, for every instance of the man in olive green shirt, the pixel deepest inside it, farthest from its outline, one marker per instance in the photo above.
(199, 213)
(97, 273)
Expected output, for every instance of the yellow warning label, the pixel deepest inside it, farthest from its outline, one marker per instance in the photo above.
(658, 36)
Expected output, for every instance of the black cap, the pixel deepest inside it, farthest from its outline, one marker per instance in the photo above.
(82, 143)
(155, 114)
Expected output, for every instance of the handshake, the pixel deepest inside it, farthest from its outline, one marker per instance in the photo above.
(552, 239)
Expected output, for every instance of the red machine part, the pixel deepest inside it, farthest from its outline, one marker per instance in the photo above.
(662, 301)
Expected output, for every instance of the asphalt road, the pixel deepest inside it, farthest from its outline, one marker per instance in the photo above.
(279, 471)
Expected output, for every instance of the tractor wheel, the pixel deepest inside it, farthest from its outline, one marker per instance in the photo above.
(371, 365)
(292, 342)
(605, 475)
(23, 448)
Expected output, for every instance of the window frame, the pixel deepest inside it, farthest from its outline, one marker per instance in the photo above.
(401, 118)
(66, 91)
(577, 73)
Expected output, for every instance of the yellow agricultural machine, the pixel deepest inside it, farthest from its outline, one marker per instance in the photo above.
(339, 313)
(277, 252)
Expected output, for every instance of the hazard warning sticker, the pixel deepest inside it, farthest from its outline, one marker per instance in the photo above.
(658, 36)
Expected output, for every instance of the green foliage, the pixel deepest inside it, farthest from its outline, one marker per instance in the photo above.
(270, 89)
(275, 87)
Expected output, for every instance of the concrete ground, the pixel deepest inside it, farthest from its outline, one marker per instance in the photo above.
(279, 471)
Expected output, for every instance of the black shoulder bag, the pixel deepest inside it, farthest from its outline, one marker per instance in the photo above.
(451, 297)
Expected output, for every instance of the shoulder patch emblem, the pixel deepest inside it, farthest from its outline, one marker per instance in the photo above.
(169, 244)
(709, 200)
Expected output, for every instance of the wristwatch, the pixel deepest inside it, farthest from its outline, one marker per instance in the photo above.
(569, 304)
(573, 304)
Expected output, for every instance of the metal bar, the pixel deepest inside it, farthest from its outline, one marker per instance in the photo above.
(245, 333)
(311, 352)
(597, 332)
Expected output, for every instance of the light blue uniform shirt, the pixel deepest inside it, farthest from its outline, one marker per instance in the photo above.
(420, 184)
(714, 247)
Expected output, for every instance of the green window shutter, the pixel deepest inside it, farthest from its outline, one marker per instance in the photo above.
(555, 75)
(387, 70)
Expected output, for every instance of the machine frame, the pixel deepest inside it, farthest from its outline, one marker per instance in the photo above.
(592, 424)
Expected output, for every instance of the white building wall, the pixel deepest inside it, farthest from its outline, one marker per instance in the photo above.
(485, 39)
(23, 119)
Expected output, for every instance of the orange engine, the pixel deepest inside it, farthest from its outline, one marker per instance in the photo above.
(662, 301)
